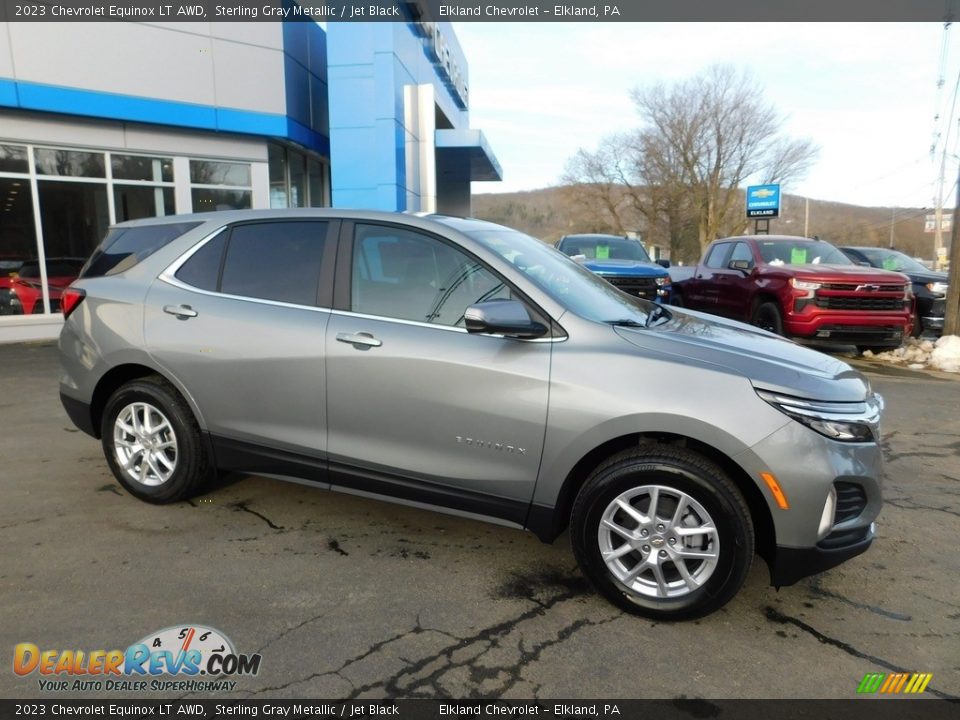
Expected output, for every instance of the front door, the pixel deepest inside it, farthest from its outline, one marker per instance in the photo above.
(417, 406)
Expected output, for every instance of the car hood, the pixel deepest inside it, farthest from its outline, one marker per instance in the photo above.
(770, 362)
(634, 268)
(928, 277)
(842, 273)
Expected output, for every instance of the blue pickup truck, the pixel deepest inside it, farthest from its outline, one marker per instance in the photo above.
(621, 261)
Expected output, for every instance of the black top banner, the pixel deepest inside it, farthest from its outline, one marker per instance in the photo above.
(480, 11)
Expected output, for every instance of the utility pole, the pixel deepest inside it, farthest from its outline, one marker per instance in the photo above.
(893, 215)
(806, 219)
(951, 323)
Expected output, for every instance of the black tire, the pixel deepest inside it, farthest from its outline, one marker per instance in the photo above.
(681, 470)
(676, 299)
(192, 466)
(917, 330)
(766, 316)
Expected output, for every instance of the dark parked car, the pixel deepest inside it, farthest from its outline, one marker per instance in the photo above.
(929, 286)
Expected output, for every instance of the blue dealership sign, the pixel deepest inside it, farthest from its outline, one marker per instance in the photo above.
(763, 201)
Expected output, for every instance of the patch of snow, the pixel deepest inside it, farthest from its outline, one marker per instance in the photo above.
(917, 354)
(946, 354)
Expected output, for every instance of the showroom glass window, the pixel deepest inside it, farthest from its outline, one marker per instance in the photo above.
(142, 186)
(18, 236)
(296, 179)
(218, 185)
(74, 212)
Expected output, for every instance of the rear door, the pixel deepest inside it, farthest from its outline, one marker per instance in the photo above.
(704, 289)
(241, 323)
(418, 407)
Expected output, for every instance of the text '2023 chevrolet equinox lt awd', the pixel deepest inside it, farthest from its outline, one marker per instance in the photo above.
(467, 366)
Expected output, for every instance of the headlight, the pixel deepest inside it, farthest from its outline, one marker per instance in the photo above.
(937, 288)
(842, 421)
(804, 284)
(663, 281)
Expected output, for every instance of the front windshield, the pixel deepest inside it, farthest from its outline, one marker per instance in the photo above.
(604, 248)
(893, 260)
(801, 252)
(571, 285)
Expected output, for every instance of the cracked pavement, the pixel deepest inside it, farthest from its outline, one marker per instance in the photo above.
(347, 597)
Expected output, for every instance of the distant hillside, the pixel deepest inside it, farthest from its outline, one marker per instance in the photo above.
(545, 214)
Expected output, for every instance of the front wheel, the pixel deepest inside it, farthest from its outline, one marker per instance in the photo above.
(662, 532)
(766, 316)
(152, 442)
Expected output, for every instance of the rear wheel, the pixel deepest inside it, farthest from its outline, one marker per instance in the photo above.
(766, 316)
(152, 442)
(660, 531)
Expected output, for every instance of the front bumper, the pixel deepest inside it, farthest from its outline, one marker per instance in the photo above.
(849, 328)
(789, 564)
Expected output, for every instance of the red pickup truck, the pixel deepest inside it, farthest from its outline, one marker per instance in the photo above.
(803, 288)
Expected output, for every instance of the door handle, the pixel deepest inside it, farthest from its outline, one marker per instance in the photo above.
(364, 339)
(181, 311)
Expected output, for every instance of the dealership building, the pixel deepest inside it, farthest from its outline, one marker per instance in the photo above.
(106, 122)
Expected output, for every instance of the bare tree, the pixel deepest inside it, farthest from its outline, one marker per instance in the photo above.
(700, 140)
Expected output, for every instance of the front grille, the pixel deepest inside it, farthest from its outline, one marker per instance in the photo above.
(852, 287)
(851, 501)
(859, 303)
(641, 287)
(844, 538)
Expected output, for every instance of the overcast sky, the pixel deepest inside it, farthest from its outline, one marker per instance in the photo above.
(865, 93)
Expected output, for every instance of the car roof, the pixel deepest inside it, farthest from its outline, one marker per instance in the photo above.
(593, 236)
(789, 238)
(223, 217)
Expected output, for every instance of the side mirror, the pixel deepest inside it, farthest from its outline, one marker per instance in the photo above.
(663, 262)
(741, 265)
(502, 317)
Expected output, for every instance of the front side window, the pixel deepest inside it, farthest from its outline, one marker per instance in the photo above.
(409, 276)
(742, 252)
(275, 261)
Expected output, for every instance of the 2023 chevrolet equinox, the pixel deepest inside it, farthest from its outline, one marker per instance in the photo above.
(464, 365)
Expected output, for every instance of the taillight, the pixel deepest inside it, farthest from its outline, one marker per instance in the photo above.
(70, 300)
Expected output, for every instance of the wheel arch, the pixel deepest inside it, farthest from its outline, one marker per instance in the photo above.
(121, 374)
(549, 523)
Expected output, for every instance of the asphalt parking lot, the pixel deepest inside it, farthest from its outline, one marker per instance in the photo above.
(350, 597)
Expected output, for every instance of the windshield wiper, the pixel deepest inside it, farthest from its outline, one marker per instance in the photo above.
(625, 322)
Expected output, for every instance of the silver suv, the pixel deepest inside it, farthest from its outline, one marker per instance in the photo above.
(464, 365)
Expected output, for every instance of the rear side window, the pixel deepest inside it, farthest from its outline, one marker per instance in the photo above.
(717, 255)
(124, 247)
(202, 269)
(275, 261)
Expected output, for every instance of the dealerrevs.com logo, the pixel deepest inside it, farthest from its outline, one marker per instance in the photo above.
(199, 658)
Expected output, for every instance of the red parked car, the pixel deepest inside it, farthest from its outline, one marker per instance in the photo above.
(21, 291)
(799, 287)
